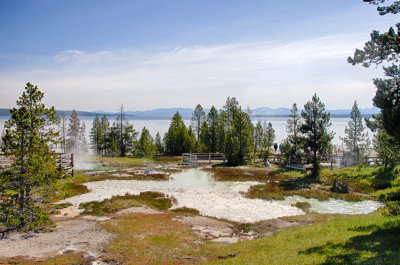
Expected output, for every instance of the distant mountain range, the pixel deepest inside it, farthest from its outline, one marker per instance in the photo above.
(186, 113)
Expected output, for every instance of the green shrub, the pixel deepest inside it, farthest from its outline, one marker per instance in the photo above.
(392, 208)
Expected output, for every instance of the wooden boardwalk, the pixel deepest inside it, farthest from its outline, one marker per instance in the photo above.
(202, 158)
(65, 163)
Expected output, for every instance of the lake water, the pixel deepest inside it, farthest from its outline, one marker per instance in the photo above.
(195, 188)
(161, 126)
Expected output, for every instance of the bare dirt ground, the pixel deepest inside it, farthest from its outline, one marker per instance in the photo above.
(78, 234)
(81, 234)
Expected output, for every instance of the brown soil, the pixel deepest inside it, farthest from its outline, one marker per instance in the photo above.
(79, 235)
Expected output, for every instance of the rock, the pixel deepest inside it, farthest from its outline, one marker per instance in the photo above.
(226, 240)
(339, 187)
(206, 228)
(142, 209)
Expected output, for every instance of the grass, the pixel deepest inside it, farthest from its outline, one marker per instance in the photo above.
(305, 206)
(152, 199)
(245, 174)
(333, 239)
(186, 210)
(157, 239)
(122, 162)
(279, 182)
(72, 258)
(354, 240)
(126, 162)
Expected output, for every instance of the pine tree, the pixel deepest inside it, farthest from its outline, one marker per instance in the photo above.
(29, 132)
(293, 128)
(145, 144)
(258, 136)
(159, 144)
(204, 145)
(96, 135)
(197, 120)
(124, 134)
(315, 130)
(356, 140)
(177, 139)
(237, 127)
(74, 131)
(385, 49)
(213, 124)
(104, 140)
(63, 131)
(267, 139)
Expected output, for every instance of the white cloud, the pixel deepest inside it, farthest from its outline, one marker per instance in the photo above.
(257, 73)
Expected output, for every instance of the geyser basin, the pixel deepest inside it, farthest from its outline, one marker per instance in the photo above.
(197, 189)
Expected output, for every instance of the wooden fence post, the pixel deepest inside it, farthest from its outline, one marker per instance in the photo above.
(72, 163)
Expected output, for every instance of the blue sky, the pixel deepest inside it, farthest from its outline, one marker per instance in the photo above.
(93, 55)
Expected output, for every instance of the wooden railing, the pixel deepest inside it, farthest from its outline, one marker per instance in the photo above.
(65, 163)
(202, 158)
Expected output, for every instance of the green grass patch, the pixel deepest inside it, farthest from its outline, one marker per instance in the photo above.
(122, 162)
(368, 239)
(154, 200)
(165, 160)
(186, 210)
(245, 174)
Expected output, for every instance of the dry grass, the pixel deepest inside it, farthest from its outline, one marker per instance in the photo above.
(156, 239)
(72, 258)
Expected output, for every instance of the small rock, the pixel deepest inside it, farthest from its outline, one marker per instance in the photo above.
(226, 240)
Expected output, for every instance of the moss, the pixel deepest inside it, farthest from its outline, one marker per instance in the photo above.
(305, 206)
(186, 210)
(153, 199)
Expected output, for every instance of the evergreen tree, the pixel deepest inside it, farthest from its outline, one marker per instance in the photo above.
(204, 145)
(74, 131)
(293, 128)
(177, 139)
(238, 145)
(213, 124)
(63, 131)
(267, 140)
(104, 140)
(197, 120)
(315, 130)
(29, 132)
(221, 132)
(356, 140)
(145, 144)
(258, 137)
(159, 143)
(190, 141)
(384, 145)
(96, 135)
(385, 48)
(124, 134)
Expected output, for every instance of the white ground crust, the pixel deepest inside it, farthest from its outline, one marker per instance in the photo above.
(196, 189)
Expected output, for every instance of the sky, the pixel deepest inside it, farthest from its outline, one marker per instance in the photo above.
(97, 55)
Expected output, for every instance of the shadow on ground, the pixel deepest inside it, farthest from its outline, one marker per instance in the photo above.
(380, 246)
